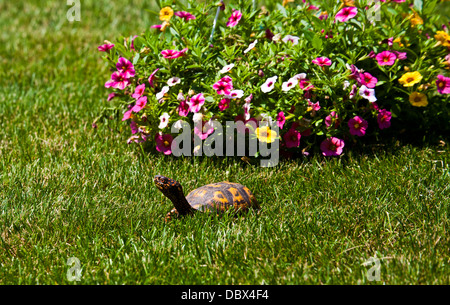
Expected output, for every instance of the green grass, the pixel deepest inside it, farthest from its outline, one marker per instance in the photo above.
(68, 190)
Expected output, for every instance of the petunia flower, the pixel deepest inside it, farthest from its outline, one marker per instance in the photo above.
(140, 103)
(384, 119)
(226, 68)
(265, 134)
(292, 39)
(151, 78)
(223, 87)
(251, 46)
(127, 115)
(235, 94)
(183, 108)
(164, 120)
(173, 81)
(161, 93)
(281, 119)
(206, 129)
(346, 13)
(418, 99)
(286, 86)
(269, 84)
(111, 96)
(292, 138)
(105, 47)
(165, 13)
(332, 119)
(409, 79)
(134, 127)
(139, 91)
(386, 58)
(357, 126)
(305, 84)
(368, 94)
(322, 61)
(224, 104)
(443, 84)
(185, 15)
(367, 79)
(332, 147)
(164, 143)
(118, 81)
(236, 15)
(196, 102)
(125, 67)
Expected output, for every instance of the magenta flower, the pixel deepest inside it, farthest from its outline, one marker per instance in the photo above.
(401, 55)
(305, 84)
(164, 143)
(281, 119)
(127, 115)
(132, 43)
(386, 58)
(105, 47)
(224, 104)
(111, 96)
(227, 79)
(384, 119)
(346, 13)
(332, 119)
(443, 84)
(185, 15)
(367, 79)
(222, 87)
(139, 91)
(134, 127)
(357, 126)
(125, 67)
(151, 78)
(183, 108)
(172, 54)
(234, 18)
(332, 147)
(322, 61)
(292, 138)
(206, 129)
(196, 102)
(118, 81)
(140, 103)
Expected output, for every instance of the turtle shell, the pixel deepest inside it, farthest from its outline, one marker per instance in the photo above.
(221, 196)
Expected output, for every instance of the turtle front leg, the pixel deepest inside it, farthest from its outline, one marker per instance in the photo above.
(173, 214)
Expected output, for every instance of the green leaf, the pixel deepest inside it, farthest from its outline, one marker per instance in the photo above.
(317, 43)
(136, 58)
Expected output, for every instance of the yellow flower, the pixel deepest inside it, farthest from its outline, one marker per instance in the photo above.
(285, 2)
(443, 38)
(409, 79)
(164, 25)
(165, 13)
(418, 99)
(349, 2)
(265, 134)
(415, 19)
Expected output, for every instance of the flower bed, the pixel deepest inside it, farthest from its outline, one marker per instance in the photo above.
(324, 75)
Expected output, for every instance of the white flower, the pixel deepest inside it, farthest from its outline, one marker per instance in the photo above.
(180, 96)
(299, 76)
(346, 84)
(198, 117)
(163, 120)
(173, 81)
(292, 82)
(265, 117)
(251, 46)
(276, 37)
(368, 94)
(269, 84)
(163, 91)
(247, 107)
(293, 39)
(235, 94)
(178, 124)
(226, 68)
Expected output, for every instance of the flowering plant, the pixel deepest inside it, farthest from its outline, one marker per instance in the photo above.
(327, 74)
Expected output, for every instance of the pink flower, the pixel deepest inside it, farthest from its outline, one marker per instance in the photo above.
(206, 129)
(222, 87)
(292, 138)
(151, 78)
(196, 102)
(164, 143)
(140, 103)
(224, 104)
(346, 13)
(139, 91)
(332, 147)
(234, 18)
(125, 67)
(305, 84)
(134, 127)
(357, 126)
(401, 55)
(281, 119)
(227, 79)
(172, 54)
(354, 71)
(185, 15)
(443, 84)
(332, 119)
(132, 42)
(367, 79)
(314, 106)
(183, 108)
(384, 119)
(111, 96)
(322, 61)
(289, 38)
(105, 47)
(118, 81)
(386, 58)
(127, 115)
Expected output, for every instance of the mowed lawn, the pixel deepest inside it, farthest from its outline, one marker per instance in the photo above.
(70, 190)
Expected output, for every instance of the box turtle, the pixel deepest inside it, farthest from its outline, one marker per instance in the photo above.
(216, 197)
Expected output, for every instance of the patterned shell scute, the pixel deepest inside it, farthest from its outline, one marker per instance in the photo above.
(218, 197)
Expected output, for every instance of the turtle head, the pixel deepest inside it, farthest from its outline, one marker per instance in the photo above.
(170, 188)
